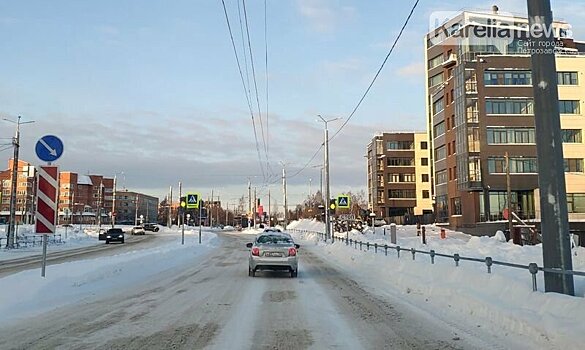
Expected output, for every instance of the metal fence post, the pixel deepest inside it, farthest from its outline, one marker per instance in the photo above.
(386, 249)
(456, 258)
(413, 252)
(360, 245)
(368, 246)
(533, 269)
(376, 248)
(488, 263)
(398, 250)
(432, 254)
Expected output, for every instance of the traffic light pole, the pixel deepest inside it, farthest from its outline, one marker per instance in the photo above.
(327, 189)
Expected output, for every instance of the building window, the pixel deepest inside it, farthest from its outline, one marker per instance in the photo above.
(571, 135)
(424, 145)
(510, 135)
(425, 194)
(507, 78)
(456, 205)
(507, 106)
(517, 165)
(439, 129)
(436, 79)
(400, 161)
(395, 178)
(438, 106)
(400, 145)
(435, 61)
(441, 177)
(567, 78)
(401, 194)
(425, 177)
(574, 165)
(424, 161)
(569, 107)
(576, 202)
(440, 153)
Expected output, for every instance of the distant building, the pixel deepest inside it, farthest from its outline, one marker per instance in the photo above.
(85, 199)
(25, 192)
(399, 182)
(134, 207)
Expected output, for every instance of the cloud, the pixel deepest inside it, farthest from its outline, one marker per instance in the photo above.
(324, 15)
(416, 69)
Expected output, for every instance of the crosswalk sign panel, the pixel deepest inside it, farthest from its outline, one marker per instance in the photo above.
(343, 202)
(192, 200)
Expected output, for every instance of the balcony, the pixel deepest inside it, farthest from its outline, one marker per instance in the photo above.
(450, 61)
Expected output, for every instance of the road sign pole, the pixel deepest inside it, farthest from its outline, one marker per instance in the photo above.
(44, 263)
(200, 213)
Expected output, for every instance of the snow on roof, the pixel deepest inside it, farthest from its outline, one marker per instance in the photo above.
(84, 180)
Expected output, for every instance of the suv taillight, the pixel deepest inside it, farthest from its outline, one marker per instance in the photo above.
(292, 252)
(255, 251)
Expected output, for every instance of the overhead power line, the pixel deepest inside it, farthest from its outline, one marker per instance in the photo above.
(244, 86)
(378, 72)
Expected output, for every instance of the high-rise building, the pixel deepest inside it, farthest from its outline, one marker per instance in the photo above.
(134, 207)
(85, 199)
(479, 104)
(399, 185)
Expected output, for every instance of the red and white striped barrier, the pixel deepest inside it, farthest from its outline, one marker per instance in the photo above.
(47, 192)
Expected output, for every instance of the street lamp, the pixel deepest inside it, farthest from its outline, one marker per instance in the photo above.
(113, 217)
(327, 193)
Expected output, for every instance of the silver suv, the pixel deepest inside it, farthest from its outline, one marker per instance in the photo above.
(273, 251)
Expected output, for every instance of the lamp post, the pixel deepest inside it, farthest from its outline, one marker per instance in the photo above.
(327, 192)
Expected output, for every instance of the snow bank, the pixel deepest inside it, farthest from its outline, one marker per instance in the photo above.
(73, 281)
(502, 300)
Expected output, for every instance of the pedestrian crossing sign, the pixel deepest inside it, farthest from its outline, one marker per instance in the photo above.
(193, 200)
(343, 202)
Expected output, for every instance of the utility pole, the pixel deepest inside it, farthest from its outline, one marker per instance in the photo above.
(285, 204)
(269, 211)
(556, 246)
(326, 165)
(136, 211)
(255, 207)
(170, 208)
(211, 211)
(114, 204)
(99, 209)
(249, 203)
(179, 216)
(11, 235)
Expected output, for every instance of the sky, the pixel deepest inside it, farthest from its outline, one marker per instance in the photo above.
(150, 91)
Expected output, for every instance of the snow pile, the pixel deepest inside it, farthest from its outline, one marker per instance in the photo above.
(502, 300)
(309, 225)
(73, 281)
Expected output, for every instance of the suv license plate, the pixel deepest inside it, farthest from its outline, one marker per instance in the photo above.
(270, 254)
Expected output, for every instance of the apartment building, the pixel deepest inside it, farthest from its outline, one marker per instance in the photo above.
(25, 192)
(480, 109)
(399, 185)
(134, 207)
(85, 199)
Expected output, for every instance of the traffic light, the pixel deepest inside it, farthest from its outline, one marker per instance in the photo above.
(332, 206)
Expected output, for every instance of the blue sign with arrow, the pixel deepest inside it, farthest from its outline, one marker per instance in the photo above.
(49, 148)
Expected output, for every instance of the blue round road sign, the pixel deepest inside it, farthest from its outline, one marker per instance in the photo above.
(49, 148)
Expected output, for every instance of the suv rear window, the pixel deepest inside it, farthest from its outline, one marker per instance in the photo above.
(274, 239)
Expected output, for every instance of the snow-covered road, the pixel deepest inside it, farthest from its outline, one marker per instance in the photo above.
(208, 301)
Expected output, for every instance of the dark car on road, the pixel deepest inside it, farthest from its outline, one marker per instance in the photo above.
(151, 227)
(112, 235)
